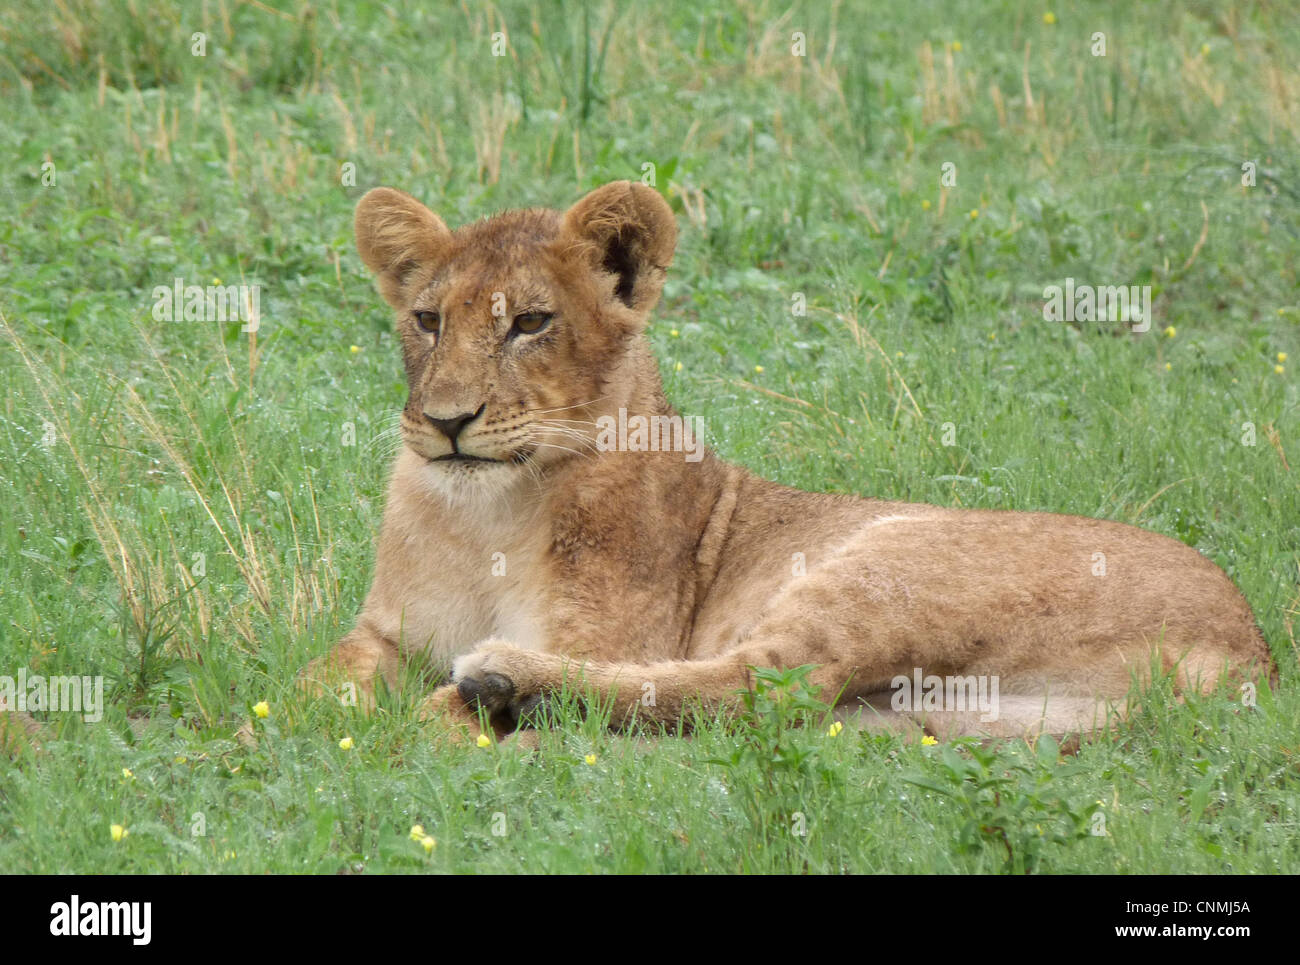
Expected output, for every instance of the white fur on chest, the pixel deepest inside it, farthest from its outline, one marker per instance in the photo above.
(451, 574)
(491, 593)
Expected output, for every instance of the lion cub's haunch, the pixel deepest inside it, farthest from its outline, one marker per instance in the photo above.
(521, 550)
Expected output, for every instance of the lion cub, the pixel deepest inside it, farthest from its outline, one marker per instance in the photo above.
(526, 544)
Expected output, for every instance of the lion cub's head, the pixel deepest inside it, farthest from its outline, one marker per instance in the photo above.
(515, 329)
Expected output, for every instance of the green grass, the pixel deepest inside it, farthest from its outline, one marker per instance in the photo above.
(817, 175)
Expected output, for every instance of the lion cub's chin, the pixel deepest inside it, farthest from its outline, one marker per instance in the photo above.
(471, 484)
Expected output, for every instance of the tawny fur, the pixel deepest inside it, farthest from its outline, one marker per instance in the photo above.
(637, 573)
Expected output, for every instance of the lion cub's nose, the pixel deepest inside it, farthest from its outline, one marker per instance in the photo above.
(451, 427)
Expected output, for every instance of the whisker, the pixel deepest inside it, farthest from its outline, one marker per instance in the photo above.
(561, 408)
(576, 437)
(563, 430)
(534, 472)
(551, 445)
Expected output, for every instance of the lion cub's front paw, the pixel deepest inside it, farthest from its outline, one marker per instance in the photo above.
(490, 691)
(497, 676)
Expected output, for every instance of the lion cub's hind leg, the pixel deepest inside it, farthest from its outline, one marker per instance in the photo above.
(874, 715)
(1016, 717)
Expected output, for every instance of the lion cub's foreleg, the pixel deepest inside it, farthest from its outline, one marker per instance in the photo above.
(506, 679)
(350, 670)
(362, 658)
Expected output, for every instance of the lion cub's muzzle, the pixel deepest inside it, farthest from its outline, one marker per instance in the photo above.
(452, 427)
(454, 434)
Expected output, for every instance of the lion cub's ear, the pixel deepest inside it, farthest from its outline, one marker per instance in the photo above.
(395, 236)
(626, 229)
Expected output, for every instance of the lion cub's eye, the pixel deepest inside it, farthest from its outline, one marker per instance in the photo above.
(428, 322)
(531, 323)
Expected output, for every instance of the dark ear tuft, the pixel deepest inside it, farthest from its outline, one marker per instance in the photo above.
(396, 235)
(627, 230)
(619, 261)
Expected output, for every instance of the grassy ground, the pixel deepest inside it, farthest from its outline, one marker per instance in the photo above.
(182, 514)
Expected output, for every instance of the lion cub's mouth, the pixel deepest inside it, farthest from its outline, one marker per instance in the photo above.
(515, 458)
(462, 457)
